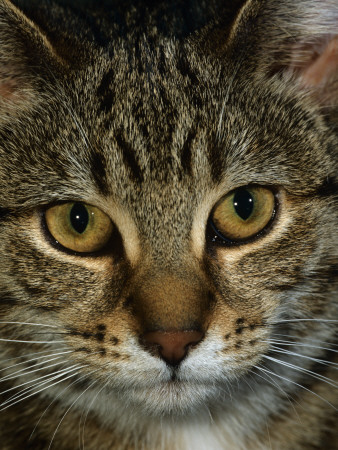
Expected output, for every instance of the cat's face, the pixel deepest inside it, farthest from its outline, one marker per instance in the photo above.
(216, 231)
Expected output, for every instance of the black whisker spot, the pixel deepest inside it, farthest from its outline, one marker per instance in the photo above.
(99, 336)
(73, 332)
(114, 340)
(83, 349)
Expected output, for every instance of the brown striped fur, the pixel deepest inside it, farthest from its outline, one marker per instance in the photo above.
(152, 112)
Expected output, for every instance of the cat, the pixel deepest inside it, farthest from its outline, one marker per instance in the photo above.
(168, 224)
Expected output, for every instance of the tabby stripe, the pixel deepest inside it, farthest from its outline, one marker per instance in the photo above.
(186, 156)
(319, 369)
(98, 171)
(129, 157)
(8, 301)
(215, 157)
(105, 94)
(185, 70)
(107, 102)
(106, 81)
(328, 188)
(328, 273)
(283, 287)
(4, 212)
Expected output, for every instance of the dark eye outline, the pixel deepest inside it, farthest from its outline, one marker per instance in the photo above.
(215, 237)
(114, 241)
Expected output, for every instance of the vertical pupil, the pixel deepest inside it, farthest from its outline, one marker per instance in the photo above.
(79, 217)
(243, 203)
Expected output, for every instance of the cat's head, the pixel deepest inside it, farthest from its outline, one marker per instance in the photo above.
(169, 207)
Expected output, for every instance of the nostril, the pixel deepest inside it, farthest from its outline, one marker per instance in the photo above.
(172, 346)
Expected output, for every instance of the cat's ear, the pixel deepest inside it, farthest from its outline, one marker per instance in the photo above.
(24, 55)
(295, 38)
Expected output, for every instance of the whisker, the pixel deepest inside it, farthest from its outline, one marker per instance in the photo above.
(299, 385)
(248, 384)
(32, 381)
(62, 418)
(35, 359)
(24, 370)
(298, 344)
(46, 387)
(32, 342)
(304, 320)
(28, 354)
(310, 339)
(288, 352)
(275, 384)
(302, 370)
(59, 395)
(10, 377)
(78, 125)
(37, 382)
(85, 419)
(29, 323)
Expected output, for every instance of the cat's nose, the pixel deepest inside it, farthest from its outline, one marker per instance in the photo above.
(172, 346)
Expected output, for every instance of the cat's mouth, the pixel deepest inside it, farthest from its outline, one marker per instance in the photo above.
(173, 378)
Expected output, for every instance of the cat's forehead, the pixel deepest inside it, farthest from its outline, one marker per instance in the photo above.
(163, 114)
(160, 125)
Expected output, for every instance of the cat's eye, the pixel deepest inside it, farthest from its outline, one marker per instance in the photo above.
(79, 227)
(243, 213)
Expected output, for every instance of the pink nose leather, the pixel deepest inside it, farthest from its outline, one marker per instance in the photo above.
(172, 346)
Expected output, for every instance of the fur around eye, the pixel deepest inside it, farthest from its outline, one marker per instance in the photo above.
(79, 227)
(243, 213)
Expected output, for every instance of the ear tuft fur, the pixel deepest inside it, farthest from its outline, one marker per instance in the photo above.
(24, 55)
(298, 38)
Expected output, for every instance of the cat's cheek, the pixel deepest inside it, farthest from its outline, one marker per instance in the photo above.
(93, 284)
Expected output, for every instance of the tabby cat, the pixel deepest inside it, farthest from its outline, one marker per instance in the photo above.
(168, 224)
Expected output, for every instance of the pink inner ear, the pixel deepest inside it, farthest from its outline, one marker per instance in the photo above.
(322, 68)
(9, 90)
(14, 89)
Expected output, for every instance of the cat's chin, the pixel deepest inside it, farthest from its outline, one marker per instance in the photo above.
(171, 399)
(163, 391)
